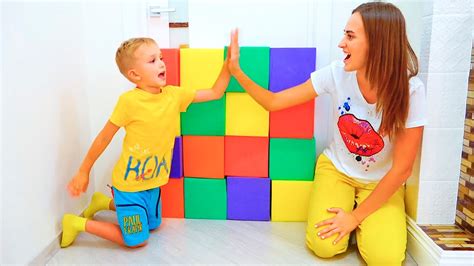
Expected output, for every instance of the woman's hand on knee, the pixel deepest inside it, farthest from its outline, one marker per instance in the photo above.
(343, 223)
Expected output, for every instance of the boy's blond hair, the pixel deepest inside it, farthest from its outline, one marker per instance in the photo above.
(125, 54)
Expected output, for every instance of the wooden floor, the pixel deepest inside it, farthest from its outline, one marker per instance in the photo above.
(191, 241)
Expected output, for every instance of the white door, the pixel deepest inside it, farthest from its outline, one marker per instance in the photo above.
(148, 18)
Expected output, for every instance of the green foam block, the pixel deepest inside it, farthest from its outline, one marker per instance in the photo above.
(205, 198)
(204, 119)
(255, 62)
(292, 159)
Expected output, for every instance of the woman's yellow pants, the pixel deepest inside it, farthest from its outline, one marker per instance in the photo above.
(381, 237)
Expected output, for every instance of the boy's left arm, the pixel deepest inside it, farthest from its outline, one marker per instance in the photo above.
(217, 89)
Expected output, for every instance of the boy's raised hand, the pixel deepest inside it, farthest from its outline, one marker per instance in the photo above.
(78, 184)
(234, 52)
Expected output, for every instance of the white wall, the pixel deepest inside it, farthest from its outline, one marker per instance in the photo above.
(59, 86)
(45, 121)
(1, 135)
(445, 64)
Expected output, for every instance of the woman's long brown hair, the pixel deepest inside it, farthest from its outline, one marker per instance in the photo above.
(391, 63)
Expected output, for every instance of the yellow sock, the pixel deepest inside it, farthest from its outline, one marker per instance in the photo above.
(99, 202)
(72, 226)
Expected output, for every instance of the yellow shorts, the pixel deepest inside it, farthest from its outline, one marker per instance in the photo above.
(381, 237)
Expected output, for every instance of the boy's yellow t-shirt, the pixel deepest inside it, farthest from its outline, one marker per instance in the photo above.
(150, 122)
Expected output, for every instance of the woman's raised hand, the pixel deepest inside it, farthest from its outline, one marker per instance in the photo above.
(234, 52)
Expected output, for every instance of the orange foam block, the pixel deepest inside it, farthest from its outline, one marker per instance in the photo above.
(172, 198)
(293, 122)
(171, 59)
(203, 156)
(246, 156)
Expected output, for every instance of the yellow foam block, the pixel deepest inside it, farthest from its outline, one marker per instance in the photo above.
(290, 200)
(244, 116)
(199, 68)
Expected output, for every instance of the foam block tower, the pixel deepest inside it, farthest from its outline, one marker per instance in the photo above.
(232, 158)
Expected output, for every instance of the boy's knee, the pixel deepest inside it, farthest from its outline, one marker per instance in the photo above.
(155, 226)
(139, 241)
(144, 243)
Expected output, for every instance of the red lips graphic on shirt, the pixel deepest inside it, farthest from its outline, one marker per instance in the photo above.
(359, 135)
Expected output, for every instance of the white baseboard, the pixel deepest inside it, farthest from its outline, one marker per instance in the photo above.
(425, 251)
(48, 252)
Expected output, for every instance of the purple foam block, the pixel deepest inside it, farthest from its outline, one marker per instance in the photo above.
(290, 67)
(177, 161)
(248, 198)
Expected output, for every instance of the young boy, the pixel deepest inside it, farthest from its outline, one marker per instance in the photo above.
(149, 115)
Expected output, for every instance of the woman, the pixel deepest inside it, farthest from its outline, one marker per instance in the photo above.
(379, 110)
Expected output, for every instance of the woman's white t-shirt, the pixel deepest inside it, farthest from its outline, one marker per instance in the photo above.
(356, 148)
